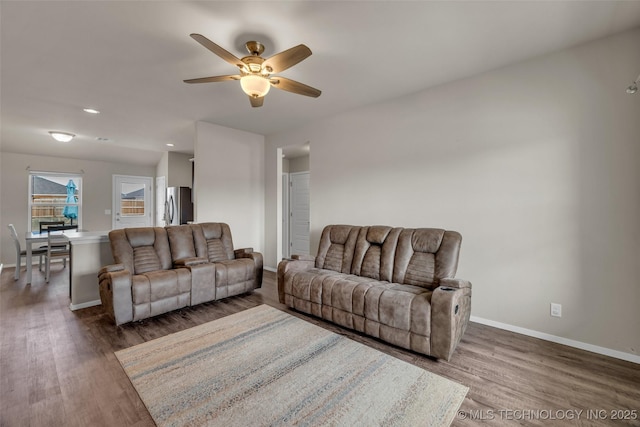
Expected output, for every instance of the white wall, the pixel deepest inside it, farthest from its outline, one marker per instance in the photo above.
(176, 168)
(179, 170)
(536, 164)
(162, 168)
(229, 182)
(299, 164)
(96, 193)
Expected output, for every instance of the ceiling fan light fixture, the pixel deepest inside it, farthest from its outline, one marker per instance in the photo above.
(61, 136)
(254, 85)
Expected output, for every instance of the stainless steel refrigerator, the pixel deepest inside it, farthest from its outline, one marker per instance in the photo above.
(178, 207)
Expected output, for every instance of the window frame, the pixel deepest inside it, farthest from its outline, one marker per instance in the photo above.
(77, 179)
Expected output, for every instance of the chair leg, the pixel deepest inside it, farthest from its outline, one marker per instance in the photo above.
(16, 276)
(47, 267)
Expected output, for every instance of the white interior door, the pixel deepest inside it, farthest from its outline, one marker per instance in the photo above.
(132, 201)
(285, 216)
(299, 201)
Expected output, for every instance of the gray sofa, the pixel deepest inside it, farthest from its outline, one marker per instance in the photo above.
(395, 284)
(158, 269)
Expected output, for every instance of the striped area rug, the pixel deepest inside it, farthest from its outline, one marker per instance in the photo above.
(265, 367)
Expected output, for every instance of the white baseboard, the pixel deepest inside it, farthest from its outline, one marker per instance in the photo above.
(274, 270)
(559, 340)
(87, 304)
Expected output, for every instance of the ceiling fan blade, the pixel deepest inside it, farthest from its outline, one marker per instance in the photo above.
(222, 53)
(212, 79)
(286, 59)
(256, 102)
(294, 86)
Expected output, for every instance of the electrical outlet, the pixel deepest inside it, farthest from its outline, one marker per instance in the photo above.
(556, 310)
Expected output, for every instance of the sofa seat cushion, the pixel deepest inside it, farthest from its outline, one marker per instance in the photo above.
(397, 313)
(399, 306)
(161, 291)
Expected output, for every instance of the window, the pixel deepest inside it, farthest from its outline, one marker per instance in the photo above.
(132, 200)
(54, 197)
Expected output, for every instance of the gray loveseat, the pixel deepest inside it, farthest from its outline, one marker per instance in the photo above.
(395, 284)
(158, 269)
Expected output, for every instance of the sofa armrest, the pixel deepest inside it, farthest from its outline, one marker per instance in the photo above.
(257, 260)
(450, 312)
(187, 262)
(111, 268)
(115, 293)
(451, 282)
(287, 265)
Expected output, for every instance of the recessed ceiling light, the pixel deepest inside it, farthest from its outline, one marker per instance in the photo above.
(91, 111)
(61, 136)
(169, 145)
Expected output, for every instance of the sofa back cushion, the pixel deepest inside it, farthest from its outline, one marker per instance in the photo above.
(181, 241)
(142, 249)
(375, 252)
(213, 241)
(337, 244)
(425, 255)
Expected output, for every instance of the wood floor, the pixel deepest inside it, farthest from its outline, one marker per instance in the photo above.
(57, 367)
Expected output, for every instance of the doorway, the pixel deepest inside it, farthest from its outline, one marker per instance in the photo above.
(299, 197)
(294, 209)
(132, 204)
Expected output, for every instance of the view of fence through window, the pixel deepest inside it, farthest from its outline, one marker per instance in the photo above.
(132, 199)
(54, 198)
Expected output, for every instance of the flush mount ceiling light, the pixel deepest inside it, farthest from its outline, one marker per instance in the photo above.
(634, 87)
(169, 145)
(61, 136)
(91, 110)
(257, 73)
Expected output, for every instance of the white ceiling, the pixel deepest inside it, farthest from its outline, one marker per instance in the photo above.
(128, 60)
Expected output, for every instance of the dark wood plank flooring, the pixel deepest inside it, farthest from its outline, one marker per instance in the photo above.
(57, 367)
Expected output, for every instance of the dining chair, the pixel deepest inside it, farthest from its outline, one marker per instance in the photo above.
(62, 227)
(23, 253)
(45, 225)
(54, 226)
(57, 247)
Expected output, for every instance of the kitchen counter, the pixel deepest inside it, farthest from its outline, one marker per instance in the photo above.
(90, 251)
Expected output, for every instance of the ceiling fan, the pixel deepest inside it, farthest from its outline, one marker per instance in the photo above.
(256, 72)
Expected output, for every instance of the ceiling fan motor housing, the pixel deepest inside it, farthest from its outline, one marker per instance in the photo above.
(254, 48)
(253, 64)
